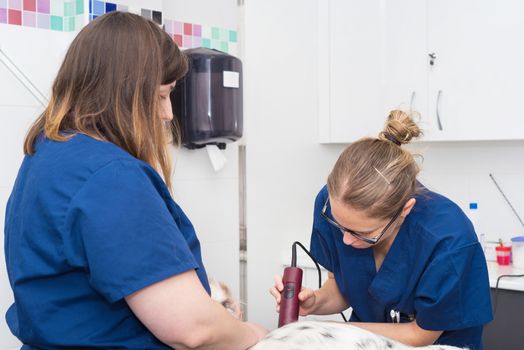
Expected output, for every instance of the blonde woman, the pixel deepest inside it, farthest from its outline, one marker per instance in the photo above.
(98, 253)
(407, 260)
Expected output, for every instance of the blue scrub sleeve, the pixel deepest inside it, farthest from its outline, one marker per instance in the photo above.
(122, 231)
(453, 293)
(322, 245)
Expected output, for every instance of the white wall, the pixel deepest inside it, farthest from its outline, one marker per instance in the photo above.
(209, 199)
(31, 50)
(286, 165)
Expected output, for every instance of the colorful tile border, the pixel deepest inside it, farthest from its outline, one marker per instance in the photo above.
(68, 16)
(190, 35)
(59, 15)
(186, 35)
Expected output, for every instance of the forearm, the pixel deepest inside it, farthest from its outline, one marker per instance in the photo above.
(408, 333)
(219, 330)
(328, 299)
(180, 313)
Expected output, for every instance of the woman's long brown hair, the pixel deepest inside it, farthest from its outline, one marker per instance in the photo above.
(108, 88)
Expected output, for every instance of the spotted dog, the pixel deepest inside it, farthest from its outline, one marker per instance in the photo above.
(320, 335)
(315, 335)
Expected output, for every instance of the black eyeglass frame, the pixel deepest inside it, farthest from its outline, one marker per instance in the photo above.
(372, 241)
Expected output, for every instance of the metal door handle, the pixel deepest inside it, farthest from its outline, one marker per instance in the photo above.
(412, 101)
(438, 110)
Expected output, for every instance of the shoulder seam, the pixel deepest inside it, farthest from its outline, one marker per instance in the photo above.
(102, 167)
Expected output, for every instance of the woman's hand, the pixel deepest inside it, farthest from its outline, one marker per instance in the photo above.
(306, 297)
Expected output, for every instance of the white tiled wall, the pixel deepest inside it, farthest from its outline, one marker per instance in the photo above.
(209, 199)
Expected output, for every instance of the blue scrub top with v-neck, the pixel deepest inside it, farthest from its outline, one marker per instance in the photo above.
(434, 272)
(86, 225)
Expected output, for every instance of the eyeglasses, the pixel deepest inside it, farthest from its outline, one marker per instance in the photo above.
(355, 234)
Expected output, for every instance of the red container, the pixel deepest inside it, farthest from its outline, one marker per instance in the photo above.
(503, 255)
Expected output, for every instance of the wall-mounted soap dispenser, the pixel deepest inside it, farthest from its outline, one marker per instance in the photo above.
(208, 101)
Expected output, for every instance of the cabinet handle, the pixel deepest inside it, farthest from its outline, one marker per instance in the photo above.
(412, 101)
(438, 110)
(432, 58)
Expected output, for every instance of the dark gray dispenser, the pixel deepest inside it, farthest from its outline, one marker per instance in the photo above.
(208, 101)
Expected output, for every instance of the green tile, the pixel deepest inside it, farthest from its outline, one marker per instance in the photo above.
(79, 7)
(69, 9)
(206, 43)
(233, 36)
(57, 23)
(69, 24)
(224, 47)
(215, 33)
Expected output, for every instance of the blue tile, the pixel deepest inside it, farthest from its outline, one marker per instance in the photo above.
(98, 8)
(110, 7)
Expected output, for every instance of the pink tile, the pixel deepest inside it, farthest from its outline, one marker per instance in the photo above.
(3, 15)
(42, 6)
(188, 29)
(178, 27)
(177, 39)
(187, 42)
(29, 19)
(15, 4)
(15, 17)
(30, 5)
(197, 30)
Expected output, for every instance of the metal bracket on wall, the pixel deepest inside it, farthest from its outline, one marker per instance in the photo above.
(243, 229)
(23, 79)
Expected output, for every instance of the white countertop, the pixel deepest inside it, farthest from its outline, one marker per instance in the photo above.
(494, 271)
(510, 283)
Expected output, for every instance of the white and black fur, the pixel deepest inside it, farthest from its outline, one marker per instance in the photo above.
(315, 335)
(321, 335)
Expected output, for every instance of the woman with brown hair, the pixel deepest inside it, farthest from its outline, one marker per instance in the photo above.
(98, 253)
(405, 259)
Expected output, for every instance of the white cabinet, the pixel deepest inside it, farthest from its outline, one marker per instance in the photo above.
(350, 44)
(405, 60)
(478, 70)
(377, 59)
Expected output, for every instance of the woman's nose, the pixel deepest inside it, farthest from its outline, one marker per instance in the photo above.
(166, 110)
(348, 239)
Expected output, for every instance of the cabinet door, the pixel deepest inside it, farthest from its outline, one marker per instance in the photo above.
(350, 69)
(373, 59)
(475, 82)
(405, 60)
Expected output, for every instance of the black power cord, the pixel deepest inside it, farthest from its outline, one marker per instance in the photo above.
(294, 264)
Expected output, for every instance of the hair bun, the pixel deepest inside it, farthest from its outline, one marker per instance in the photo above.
(400, 128)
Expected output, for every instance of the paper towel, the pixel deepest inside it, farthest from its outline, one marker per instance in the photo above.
(217, 158)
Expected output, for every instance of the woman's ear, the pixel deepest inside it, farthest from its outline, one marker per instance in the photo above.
(407, 207)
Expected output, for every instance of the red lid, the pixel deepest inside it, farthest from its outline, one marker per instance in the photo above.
(504, 248)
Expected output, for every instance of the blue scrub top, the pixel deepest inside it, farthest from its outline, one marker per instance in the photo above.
(86, 225)
(435, 272)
